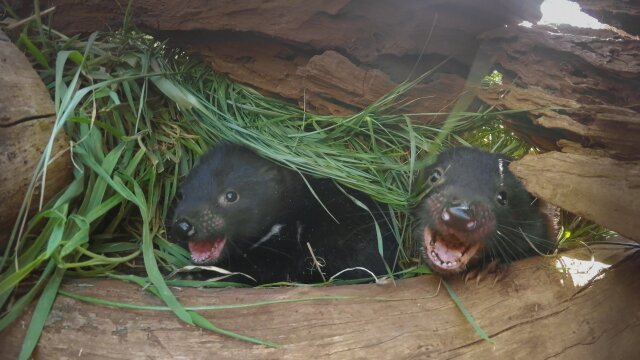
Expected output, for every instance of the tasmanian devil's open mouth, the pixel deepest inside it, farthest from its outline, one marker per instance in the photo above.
(206, 252)
(446, 251)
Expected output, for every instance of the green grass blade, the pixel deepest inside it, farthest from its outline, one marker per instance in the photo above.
(33, 50)
(13, 279)
(117, 304)
(467, 314)
(206, 324)
(19, 306)
(40, 314)
(60, 220)
(79, 236)
(151, 264)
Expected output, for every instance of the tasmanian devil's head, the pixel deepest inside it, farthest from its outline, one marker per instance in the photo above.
(477, 211)
(228, 202)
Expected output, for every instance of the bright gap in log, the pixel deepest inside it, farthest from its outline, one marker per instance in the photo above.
(581, 271)
(566, 12)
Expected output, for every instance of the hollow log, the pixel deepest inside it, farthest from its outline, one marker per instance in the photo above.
(534, 312)
(278, 46)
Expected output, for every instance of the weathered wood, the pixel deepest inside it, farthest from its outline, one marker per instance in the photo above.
(365, 29)
(535, 312)
(337, 56)
(623, 14)
(579, 85)
(276, 46)
(599, 188)
(26, 119)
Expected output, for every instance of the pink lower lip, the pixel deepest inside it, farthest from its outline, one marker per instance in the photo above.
(207, 251)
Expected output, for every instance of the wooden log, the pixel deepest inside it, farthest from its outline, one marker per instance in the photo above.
(575, 84)
(278, 46)
(535, 312)
(601, 189)
(26, 120)
(622, 14)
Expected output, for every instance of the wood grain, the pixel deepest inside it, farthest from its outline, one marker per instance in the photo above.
(26, 119)
(535, 312)
(601, 189)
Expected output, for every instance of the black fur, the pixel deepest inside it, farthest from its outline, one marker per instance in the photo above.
(472, 188)
(270, 195)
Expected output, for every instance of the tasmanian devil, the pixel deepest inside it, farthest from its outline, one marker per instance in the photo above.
(478, 214)
(246, 214)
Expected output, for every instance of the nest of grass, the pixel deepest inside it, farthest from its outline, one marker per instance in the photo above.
(138, 115)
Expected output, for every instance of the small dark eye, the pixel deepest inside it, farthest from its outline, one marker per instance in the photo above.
(435, 176)
(501, 198)
(231, 197)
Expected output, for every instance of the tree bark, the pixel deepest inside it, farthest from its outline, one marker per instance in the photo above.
(623, 14)
(277, 46)
(534, 312)
(578, 91)
(601, 189)
(578, 85)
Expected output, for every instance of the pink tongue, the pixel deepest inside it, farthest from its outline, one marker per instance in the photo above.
(446, 253)
(203, 251)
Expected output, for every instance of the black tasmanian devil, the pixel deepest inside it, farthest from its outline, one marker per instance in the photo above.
(477, 214)
(246, 214)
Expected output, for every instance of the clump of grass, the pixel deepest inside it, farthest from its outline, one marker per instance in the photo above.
(576, 231)
(493, 136)
(137, 115)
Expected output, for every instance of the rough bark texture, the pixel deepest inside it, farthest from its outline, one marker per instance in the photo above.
(579, 87)
(582, 85)
(331, 56)
(26, 118)
(535, 312)
(623, 14)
